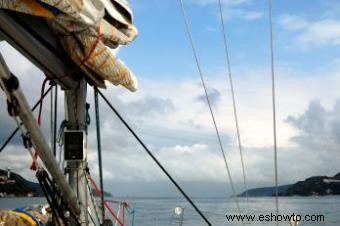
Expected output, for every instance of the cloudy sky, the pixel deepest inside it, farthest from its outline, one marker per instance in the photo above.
(169, 111)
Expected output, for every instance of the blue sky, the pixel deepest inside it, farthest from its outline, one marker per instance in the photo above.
(168, 110)
(306, 44)
(163, 48)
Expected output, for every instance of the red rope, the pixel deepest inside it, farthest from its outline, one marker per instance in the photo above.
(93, 47)
(85, 58)
(36, 155)
(105, 202)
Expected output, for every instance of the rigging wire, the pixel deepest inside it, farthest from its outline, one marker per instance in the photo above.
(186, 21)
(54, 121)
(118, 213)
(101, 193)
(233, 98)
(51, 118)
(99, 147)
(274, 106)
(90, 191)
(154, 158)
(52, 139)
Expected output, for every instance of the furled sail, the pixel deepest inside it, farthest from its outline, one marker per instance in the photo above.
(88, 31)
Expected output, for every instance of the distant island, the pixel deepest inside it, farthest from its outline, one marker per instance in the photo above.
(313, 186)
(14, 185)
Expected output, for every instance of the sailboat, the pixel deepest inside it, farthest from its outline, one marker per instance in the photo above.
(70, 41)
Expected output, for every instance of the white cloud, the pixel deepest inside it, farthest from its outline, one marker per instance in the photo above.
(211, 29)
(181, 134)
(322, 32)
(136, 165)
(312, 33)
(253, 15)
(234, 8)
(224, 2)
(253, 93)
(214, 97)
(293, 22)
(231, 12)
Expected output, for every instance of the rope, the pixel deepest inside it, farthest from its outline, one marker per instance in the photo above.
(41, 103)
(51, 196)
(33, 165)
(99, 147)
(17, 129)
(133, 217)
(118, 212)
(92, 199)
(87, 117)
(82, 61)
(60, 141)
(127, 207)
(105, 203)
(52, 138)
(51, 118)
(48, 199)
(233, 99)
(55, 120)
(187, 26)
(274, 108)
(29, 147)
(154, 158)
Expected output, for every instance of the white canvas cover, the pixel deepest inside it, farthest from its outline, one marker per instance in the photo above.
(87, 30)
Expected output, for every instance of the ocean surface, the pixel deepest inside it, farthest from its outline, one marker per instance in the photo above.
(160, 211)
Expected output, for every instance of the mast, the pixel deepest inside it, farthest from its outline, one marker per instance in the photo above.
(39, 45)
(75, 103)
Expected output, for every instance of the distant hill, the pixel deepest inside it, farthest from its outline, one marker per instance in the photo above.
(17, 186)
(317, 185)
(265, 191)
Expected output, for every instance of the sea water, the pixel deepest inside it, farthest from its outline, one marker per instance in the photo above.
(160, 211)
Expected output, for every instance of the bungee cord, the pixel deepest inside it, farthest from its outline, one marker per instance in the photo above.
(274, 107)
(187, 26)
(226, 50)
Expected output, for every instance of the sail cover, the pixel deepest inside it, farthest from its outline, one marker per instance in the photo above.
(88, 30)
